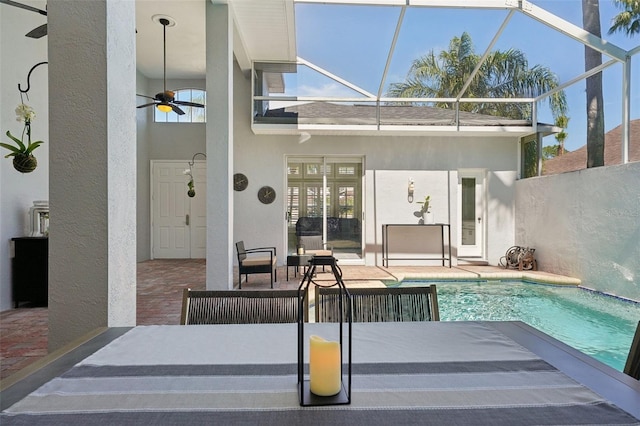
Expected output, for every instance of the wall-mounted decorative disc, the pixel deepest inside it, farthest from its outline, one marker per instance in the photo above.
(266, 195)
(240, 182)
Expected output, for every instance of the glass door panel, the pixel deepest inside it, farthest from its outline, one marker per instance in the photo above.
(471, 208)
(293, 213)
(335, 212)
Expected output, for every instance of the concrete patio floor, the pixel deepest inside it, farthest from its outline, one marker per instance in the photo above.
(23, 331)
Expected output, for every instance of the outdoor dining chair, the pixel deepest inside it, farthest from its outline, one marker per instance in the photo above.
(239, 306)
(379, 304)
(632, 367)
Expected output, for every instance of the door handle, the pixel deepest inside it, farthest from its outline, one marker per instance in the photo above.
(187, 219)
(479, 219)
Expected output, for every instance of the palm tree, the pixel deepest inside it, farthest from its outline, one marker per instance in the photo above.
(502, 74)
(595, 109)
(629, 19)
(561, 121)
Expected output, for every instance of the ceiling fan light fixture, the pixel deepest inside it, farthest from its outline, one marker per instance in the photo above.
(165, 108)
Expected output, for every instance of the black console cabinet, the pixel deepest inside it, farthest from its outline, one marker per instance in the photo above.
(30, 270)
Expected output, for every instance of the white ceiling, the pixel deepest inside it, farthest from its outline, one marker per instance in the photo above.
(265, 31)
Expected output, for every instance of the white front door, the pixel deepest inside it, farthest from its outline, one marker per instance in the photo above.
(178, 221)
(471, 211)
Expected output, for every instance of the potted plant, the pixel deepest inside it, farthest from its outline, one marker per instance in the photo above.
(425, 205)
(191, 192)
(22, 152)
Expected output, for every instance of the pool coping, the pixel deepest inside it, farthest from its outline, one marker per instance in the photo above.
(466, 273)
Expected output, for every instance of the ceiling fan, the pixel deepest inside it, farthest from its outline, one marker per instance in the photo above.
(165, 100)
(38, 32)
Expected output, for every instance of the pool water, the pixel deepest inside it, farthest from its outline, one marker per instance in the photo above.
(596, 324)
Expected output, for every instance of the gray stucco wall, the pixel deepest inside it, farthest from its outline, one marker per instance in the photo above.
(18, 191)
(389, 161)
(143, 221)
(585, 224)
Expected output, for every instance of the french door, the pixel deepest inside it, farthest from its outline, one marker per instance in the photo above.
(178, 222)
(325, 194)
(471, 211)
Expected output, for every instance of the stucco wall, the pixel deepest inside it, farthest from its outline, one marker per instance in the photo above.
(174, 141)
(585, 224)
(18, 191)
(389, 161)
(143, 223)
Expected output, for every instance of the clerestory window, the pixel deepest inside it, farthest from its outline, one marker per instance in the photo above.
(191, 114)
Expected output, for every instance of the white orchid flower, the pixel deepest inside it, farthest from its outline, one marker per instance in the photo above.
(25, 113)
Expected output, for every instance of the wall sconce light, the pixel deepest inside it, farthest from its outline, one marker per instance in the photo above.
(410, 189)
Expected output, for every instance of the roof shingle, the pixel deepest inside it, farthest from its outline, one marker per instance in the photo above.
(577, 160)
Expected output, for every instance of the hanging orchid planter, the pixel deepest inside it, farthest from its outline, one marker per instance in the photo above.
(22, 152)
(24, 163)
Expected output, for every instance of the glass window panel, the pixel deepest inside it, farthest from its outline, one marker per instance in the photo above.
(314, 205)
(294, 170)
(468, 211)
(293, 195)
(191, 114)
(346, 201)
(345, 170)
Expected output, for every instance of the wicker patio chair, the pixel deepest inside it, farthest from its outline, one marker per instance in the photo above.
(260, 260)
(313, 245)
(380, 304)
(239, 306)
(632, 367)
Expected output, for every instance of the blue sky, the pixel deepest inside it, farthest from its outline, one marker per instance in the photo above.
(353, 43)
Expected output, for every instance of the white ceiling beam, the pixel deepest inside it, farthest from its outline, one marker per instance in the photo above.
(573, 31)
(391, 50)
(335, 78)
(487, 52)
(463, 4)
(634, 51)
(290, 12)
(469, 100)
(314, 99)
(527, 8)
(574, 80)
(240, 48)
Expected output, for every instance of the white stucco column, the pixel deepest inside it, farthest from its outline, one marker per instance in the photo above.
(92, 183)
(220, 244)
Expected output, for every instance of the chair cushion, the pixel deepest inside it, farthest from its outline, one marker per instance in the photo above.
(258, 260)
(319, 252)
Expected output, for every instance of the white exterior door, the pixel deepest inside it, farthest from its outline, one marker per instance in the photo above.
(471, 211)
(178, 222)
(198, 212)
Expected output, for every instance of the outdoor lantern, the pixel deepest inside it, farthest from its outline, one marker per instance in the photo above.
(328, 360)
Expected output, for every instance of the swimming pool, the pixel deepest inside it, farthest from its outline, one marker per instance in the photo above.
(596, 324)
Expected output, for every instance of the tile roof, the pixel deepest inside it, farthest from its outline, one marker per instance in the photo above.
(577, 160)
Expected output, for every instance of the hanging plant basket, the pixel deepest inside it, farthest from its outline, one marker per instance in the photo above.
(25, 163)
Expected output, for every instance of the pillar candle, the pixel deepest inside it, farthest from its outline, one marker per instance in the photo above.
(324, 367)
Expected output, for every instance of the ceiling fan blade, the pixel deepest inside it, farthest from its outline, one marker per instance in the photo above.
(146, 105)
(191, 104)
(145, 96)
(38, 32)
(24, 6)
(177, 110)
